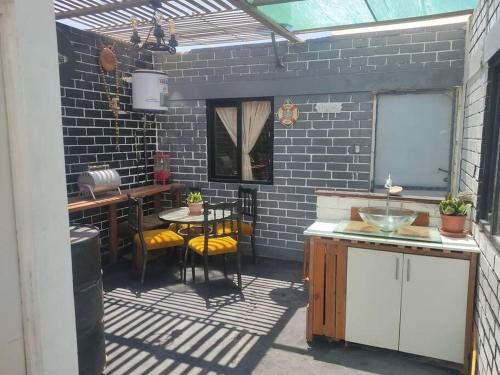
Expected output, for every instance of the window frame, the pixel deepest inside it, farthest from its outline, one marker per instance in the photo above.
(375, 128)
(487, 213)
(235, 102)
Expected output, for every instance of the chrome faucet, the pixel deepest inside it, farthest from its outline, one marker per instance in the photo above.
(388, 186)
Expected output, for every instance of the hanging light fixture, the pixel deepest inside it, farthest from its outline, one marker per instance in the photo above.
(158, 44)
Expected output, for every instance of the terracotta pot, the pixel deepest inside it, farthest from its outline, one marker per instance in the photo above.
(453, 224)
(195, 208)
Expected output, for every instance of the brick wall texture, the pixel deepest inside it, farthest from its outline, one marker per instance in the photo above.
(319, 151)
(88, 124)
(475, 87)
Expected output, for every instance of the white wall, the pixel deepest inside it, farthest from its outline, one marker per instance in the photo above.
(37, 324)
(11, 328)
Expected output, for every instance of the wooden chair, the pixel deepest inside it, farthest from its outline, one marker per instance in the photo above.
(215, 242)
(248, 199)
(148, 241)
(179, 195)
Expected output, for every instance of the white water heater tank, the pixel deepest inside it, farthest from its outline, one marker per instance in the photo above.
(149, 91)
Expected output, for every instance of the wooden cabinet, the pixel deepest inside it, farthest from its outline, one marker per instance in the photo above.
(434, 307)
(327, 277)
(373, 297)
(414, 300)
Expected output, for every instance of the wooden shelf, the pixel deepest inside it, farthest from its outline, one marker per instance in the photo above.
(86, 203)
(111, 200)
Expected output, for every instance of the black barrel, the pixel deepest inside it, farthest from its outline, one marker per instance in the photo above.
(87, 290)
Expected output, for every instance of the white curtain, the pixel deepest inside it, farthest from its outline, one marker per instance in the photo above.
(229, 117)
(255, 115)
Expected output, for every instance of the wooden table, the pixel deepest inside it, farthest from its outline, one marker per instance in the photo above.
(111, 200)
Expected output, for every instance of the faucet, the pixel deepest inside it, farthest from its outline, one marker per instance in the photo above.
(388, 186)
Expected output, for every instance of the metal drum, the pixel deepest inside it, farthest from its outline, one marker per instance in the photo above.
(87, 291)
(99, 181)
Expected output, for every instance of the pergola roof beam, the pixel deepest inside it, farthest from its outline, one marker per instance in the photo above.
(125, 4)
(266, 21)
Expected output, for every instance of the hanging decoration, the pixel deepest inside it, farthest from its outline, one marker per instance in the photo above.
(108, 63)
(159, 44)
(288, 113)
(66, 59)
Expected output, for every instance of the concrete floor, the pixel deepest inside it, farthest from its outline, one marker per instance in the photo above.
(167, 327)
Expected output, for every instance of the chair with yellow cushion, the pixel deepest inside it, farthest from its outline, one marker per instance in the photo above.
(248, 199)
(225, 216)
(146, 242)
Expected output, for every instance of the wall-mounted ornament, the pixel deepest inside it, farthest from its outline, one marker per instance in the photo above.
(107, 58)
(66, 59)
(326, 108)
(108, 63)
(288, 113)
(331, 107)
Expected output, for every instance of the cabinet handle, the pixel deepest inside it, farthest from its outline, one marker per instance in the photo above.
(408, 270)
(397, 268)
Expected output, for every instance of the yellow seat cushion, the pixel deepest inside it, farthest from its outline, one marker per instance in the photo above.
(246, 228)
(219, 245)
(159, 239)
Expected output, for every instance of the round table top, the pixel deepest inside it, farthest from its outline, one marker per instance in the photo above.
(181, 215)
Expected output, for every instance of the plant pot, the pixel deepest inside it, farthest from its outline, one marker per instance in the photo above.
(453, 224)
(195, 208)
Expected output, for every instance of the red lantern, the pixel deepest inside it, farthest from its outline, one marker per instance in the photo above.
(162, 167)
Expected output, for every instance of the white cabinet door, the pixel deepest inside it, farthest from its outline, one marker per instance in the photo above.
(373, 298)
(433, 308)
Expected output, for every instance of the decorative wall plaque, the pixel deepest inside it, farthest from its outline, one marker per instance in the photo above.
(288, 113)
(328, 107)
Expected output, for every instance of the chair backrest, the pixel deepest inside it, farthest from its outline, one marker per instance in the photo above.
(135, 215)
(226, 216)
(248, 198)
(183, 192)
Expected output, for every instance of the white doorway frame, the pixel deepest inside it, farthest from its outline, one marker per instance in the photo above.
(38, 222)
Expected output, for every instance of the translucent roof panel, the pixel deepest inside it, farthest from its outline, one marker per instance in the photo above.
(302, 15)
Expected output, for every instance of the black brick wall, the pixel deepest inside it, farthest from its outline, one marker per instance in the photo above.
(320, 150)
(88, 124)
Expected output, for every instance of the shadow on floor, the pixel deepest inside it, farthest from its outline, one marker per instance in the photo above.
(167, 327)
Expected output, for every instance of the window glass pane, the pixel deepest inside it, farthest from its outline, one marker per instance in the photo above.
(256, 140)
(261, 154)
(413, 142)
(225, 139)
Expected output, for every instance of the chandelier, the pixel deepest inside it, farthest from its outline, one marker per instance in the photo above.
(158, 44)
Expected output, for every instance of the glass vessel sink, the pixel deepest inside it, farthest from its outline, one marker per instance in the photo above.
(387, 220)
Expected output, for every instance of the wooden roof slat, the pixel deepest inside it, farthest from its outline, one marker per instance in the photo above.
(197, 22)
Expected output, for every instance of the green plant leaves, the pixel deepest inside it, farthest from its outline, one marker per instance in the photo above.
(453, 206)
(194, 197)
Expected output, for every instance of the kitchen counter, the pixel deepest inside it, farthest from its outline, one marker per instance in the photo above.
(327, 228)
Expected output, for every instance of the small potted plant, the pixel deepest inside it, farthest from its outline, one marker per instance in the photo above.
(195, 203)
(453, 213)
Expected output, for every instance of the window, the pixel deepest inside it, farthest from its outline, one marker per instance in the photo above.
(413, 138)
(489, 183)
(240, 140)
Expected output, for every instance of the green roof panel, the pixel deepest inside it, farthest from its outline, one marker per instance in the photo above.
(305, 15)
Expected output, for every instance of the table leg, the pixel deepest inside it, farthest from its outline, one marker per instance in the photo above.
(157, 202)
(113, 232)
